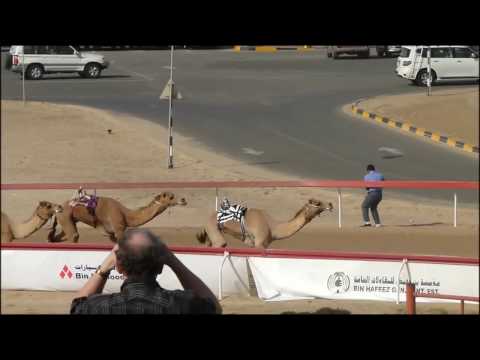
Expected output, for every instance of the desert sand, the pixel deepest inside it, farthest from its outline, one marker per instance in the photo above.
(44, 142)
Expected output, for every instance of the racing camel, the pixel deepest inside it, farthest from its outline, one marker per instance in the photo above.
(107, 213)
(44, 211)
(257, 228)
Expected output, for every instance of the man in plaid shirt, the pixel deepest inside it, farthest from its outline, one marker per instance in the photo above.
(140, 257)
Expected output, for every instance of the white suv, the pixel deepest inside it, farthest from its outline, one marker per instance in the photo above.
(48, 59)
(449, 62)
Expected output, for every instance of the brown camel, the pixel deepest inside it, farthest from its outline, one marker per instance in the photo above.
(110, 215)
(44, 212)
(260, 229)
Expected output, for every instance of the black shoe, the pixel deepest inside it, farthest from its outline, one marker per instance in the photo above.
(365, 225)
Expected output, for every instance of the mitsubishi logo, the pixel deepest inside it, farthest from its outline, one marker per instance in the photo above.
(66, 272)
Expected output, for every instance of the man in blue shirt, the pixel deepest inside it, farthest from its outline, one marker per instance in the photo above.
(373, 198)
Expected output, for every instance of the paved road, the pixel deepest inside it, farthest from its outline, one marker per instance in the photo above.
(280, 110)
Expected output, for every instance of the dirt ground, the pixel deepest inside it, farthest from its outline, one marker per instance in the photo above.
(452, 112)
(44, 142)
(44, 302)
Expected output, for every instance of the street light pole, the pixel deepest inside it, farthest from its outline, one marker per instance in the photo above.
(429, 70)
(170, 113)
(23, 75)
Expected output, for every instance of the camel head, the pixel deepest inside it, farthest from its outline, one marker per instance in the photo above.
(315, 207)
(168, 199)
(45, 209)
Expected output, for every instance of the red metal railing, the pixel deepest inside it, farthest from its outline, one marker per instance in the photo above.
(335, 184)
(412, 296)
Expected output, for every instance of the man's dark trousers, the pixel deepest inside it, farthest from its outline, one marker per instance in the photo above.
(371, 202)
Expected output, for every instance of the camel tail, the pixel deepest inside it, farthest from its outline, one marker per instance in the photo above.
(203, 238)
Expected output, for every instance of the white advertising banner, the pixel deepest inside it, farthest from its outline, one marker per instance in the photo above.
(57, 270)
(280, 279)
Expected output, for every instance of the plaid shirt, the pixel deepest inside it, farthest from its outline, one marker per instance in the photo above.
(143, 298)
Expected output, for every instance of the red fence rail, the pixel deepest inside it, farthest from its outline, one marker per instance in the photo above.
(336, 184)
(412, 296)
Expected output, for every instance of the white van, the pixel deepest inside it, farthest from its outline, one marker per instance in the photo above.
(49, 59)
(448, 62)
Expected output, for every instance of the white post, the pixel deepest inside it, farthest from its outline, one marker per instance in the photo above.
(339, 194)
(216, 199)
(429, 70)
(404, 264)
(23, 75)
(225, 255)
(247, 288)
(170, 113)
(455, 210)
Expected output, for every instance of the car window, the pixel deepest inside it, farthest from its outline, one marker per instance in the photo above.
(405, 53)
(463, 53)
(42, 49)
(28, 49)
(64, 50)
(437, 52)
(441, 53)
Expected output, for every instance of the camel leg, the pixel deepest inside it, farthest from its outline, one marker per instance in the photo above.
(68, 224)
(53, 229)
(249, 241)
(71, 231)
(118, 235)
(8, 237)
(262, 239)
(75, 235)
(215, 235)
(118, 230)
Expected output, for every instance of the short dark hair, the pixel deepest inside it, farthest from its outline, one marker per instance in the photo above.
(370, 167)
(140, 261)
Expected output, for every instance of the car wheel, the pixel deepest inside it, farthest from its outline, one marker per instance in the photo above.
(34, 72)
(335, 55)
(366, 54)
(93, 70)
(422, 77)
(329, 55)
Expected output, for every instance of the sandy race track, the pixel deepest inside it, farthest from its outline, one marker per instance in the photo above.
(58, 143)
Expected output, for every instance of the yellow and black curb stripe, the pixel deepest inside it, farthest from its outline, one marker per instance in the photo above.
(239, 48)
(405, 126)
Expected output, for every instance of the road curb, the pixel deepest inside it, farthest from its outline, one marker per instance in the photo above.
(412, 129)
(305, 48)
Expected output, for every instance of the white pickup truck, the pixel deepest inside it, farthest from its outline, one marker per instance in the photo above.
(49, 59)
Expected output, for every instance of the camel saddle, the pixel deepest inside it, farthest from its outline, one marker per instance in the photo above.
(229, 212)
(81, 198)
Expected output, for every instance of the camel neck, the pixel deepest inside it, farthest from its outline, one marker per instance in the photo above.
(287, 229)
(27, 228)
(144, 214)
